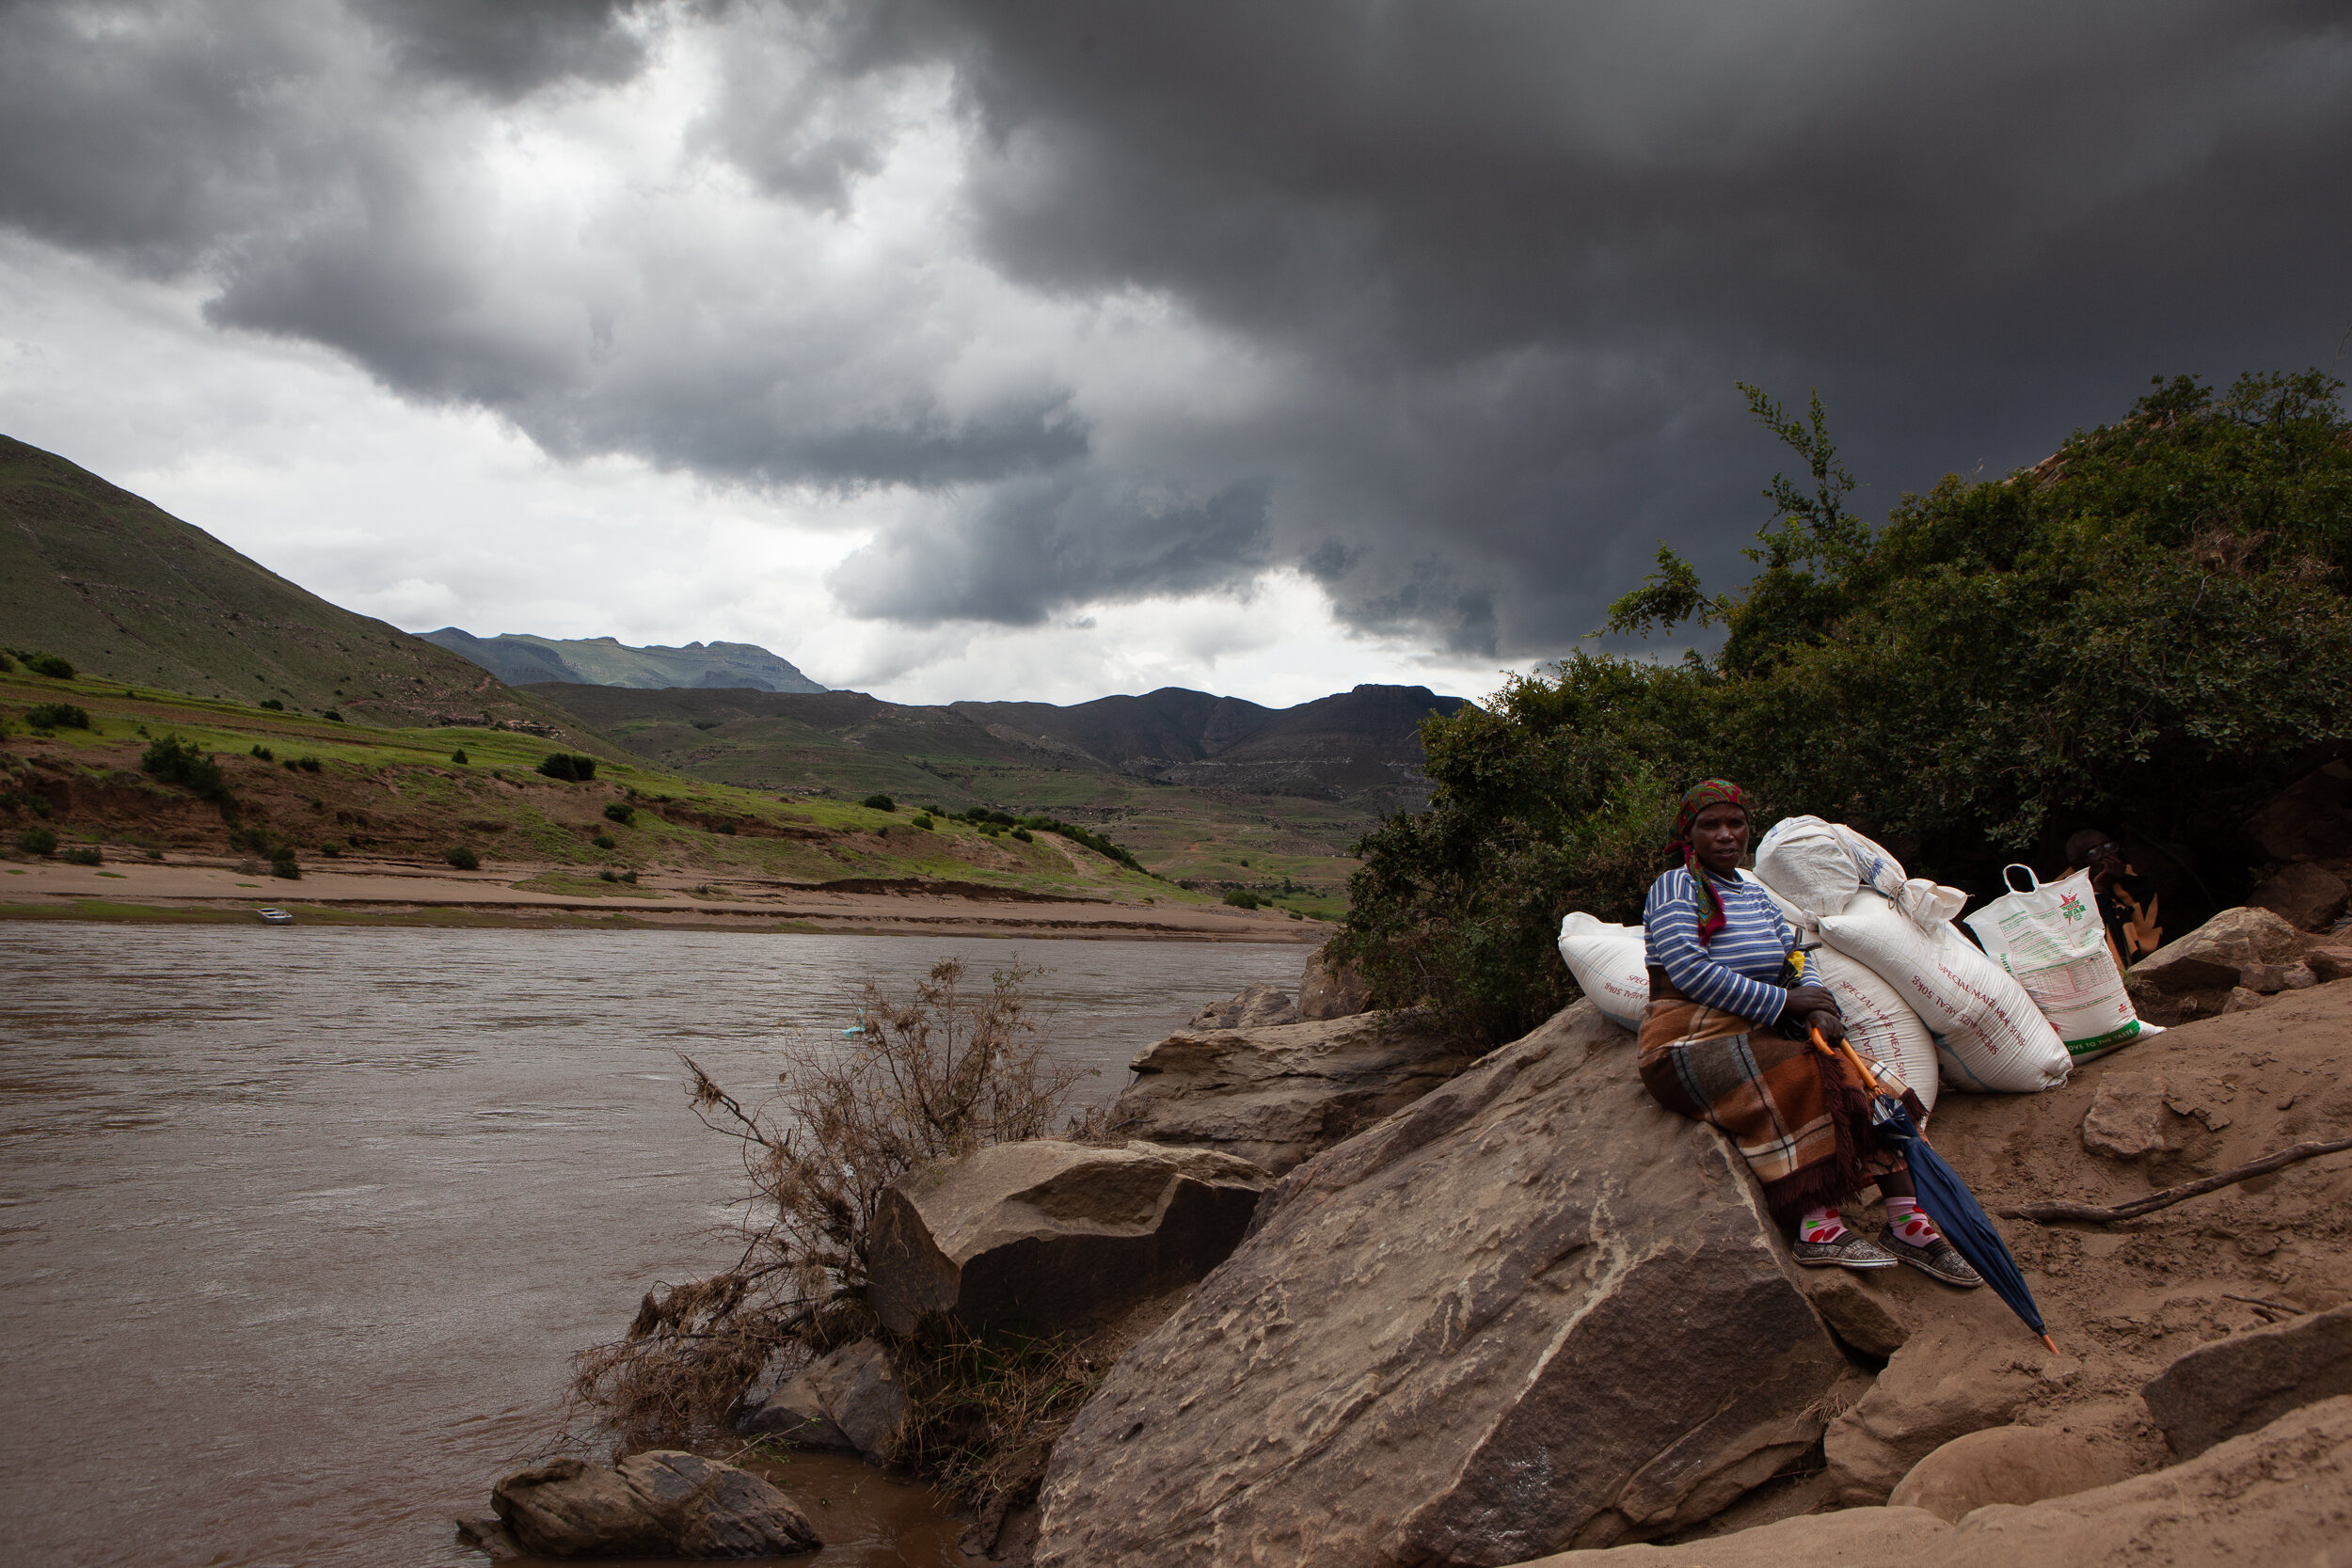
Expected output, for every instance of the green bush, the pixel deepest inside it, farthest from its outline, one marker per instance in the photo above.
(308, 764)
(56, 716)
(464, 859)
(880, 802)
(568, 765)
(50, 665)
(82, 854)
(6, 664)
(1242, 898)
(616, 811)
(264, 754)
(458, 756)
(38, 841)
(332, 717)
(331, 850)
(283, 864)
(2147, 633)
(1023, 834)
(608, 874)
(605, 841)
(273, 704)
(172, 760)
(922, 821)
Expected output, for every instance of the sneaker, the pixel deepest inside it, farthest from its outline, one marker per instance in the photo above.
(1851, 1251)
(1939, 1259)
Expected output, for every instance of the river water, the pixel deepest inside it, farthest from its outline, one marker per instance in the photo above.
(299, 1227)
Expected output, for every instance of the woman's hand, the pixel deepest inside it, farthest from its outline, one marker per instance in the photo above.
(1804, 1001)
(1833, 1028)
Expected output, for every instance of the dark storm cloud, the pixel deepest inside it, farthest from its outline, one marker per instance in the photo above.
(1481, 275)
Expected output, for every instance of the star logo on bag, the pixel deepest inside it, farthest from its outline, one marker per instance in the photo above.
(2071, 907)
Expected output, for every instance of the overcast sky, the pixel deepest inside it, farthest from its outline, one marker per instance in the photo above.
(1050, 350)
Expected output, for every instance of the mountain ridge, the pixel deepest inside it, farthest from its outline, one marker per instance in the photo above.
(525, 658)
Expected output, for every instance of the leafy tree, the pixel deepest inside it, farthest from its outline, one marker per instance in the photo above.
(2146, 632)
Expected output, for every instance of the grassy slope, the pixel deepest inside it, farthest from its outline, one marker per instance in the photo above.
(395, 794)
(129, 593)
(856, 746)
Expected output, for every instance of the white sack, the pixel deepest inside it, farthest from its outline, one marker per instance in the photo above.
(1816, 867)
(1879, 1021)
(2051, 940)
(1611, 964)
(1989, 1035)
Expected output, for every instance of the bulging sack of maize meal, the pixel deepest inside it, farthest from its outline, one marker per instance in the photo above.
(1881, 1024)
(1989, 1035)
(1611, 964)
(2051, 940)
(1816, 867)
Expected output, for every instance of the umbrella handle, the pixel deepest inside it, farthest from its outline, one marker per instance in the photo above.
(1845, 1048)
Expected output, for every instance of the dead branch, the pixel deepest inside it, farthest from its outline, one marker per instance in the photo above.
(2045, 1213)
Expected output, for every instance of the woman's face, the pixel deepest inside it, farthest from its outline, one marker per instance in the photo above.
(1720, 834)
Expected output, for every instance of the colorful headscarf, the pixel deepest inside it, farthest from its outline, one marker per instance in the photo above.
(1710, 792)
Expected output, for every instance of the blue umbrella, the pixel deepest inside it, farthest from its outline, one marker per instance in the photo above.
(1947, 1199)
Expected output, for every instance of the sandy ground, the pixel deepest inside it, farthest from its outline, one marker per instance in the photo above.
(355, 890)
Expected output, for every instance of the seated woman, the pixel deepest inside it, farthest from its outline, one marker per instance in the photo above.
(1720, 961)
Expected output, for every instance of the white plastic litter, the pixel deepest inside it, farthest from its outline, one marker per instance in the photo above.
(1611, 964)
(1816, 867)
(2050, 938)
(1989, 1035)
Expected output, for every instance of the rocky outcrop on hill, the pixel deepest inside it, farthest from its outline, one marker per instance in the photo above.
(1531, 1310)
(1279, 1095)
(1051, 1235)
(660, 1503)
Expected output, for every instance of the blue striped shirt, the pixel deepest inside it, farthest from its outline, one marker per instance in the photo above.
(1736, 971)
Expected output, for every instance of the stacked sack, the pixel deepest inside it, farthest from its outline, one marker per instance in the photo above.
(1916, 993)
(1989, 1033)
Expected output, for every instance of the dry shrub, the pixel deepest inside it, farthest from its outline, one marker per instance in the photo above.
(984, 1413)
(929, 1077)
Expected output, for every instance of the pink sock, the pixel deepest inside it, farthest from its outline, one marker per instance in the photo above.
(1820, 1224)
(1909, 1223)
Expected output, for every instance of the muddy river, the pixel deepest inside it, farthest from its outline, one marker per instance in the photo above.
(299, 1227)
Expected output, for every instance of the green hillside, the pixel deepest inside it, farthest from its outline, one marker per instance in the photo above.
(127, 592)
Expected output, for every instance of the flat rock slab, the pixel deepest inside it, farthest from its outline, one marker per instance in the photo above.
(1051, 1236)
(2002, 1465)
(2233, 1385)
(1278, 1095)
(1532, 1310)
(663, 1502)
(2276, 1496)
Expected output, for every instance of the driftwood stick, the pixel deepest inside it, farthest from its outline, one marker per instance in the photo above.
(2045, 1212)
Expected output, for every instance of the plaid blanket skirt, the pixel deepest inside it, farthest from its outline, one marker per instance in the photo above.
(1800, 1119)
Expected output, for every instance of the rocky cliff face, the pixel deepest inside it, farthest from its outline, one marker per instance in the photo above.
(1532, 1310)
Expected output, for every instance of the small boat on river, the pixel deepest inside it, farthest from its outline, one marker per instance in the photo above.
(275, 917)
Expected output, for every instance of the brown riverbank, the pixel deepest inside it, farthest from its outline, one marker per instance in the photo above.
(389, 892)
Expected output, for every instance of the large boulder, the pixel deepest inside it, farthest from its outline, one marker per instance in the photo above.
(1531, 1310)
(2310, 819)
(2002, 1465)
(663, 1502)
(2233, 1385)
(1049, 1235)
(2248, 949)
(1328, 989)
(849, 1400)
(2306, 897)
(1254, 1007)
(1278, 1095)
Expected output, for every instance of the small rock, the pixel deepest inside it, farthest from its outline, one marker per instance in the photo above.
(2128, 1117)
(2233, 1385)
(2329, 964)
(1254, 1007)
(2304, 895)
(2217, 952)
(569, 1508)
(1055, 1235)
(2241, 999)
(849, 1400)
(1325, 992)
(487, 1535)
(1854, 1312)
(2270, 979)
(1946, 1382)
(660, 1503)
(2001, 1465)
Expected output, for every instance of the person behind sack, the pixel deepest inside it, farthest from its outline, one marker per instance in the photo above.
(2127, 901)
(1721, 963)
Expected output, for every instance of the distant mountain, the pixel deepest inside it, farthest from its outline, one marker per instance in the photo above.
(1361, 747)
(128, 591)
(519, 659)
